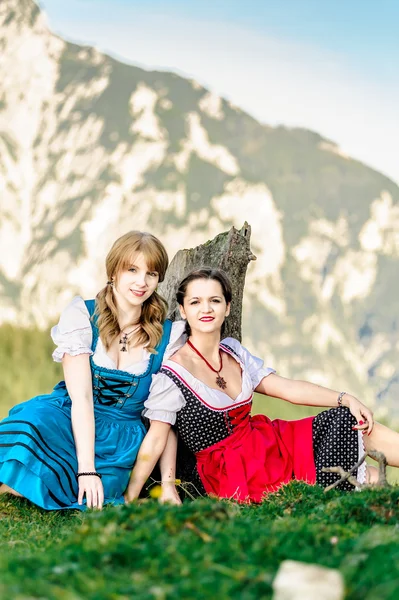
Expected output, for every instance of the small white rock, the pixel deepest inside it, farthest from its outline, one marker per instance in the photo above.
(299, 581)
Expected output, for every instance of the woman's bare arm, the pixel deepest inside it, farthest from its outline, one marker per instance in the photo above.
(150, 450)
(78, 381)
(298, 392)
(167, 465)
(310, 394)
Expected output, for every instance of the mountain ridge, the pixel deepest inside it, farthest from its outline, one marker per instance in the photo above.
(91, 147)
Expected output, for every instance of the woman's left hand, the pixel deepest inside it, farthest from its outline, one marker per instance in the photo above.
(362, 414)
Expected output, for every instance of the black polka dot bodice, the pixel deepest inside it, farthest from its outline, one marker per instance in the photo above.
(201, 425)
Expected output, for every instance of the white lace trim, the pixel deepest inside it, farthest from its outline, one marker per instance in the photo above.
(58, 353)
(361, 472)
(177, 340)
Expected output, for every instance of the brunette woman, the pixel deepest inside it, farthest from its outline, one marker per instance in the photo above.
(206, 389)
(76, 446)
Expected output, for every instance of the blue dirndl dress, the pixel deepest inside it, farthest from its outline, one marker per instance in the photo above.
(37, 448)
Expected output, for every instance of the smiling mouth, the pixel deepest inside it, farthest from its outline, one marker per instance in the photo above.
(207, 319)
(137, 293)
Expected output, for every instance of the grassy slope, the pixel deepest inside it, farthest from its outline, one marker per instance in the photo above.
(205, 549)
(26, 365)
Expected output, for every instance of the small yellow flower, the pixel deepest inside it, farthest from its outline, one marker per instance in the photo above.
(156, 491)
(177, 481)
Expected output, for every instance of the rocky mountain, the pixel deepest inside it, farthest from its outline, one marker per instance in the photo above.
(91, 147)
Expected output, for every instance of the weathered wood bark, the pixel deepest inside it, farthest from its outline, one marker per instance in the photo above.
(347, 475)
(229, 251)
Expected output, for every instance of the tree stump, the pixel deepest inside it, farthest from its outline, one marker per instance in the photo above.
(229, 251)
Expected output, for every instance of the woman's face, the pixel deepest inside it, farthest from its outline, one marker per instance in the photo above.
(133, 286)
(204, 306)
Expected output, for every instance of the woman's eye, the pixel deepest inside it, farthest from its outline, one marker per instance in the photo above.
(132, 270)
(193, 302)
(216, 300)
(153, 274)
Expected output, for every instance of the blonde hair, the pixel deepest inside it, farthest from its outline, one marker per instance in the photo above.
(154, 309)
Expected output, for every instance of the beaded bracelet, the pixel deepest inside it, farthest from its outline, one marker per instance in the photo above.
(339, 399)
(89, 473)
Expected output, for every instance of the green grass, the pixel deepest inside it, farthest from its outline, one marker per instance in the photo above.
(27, 368)
(204, 549)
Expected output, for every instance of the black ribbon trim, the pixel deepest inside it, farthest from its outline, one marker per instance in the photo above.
(44, 452)
(38, 458)
(56, 500)
(39, 435)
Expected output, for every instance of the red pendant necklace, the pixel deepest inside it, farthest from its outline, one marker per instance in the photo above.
(219, 379)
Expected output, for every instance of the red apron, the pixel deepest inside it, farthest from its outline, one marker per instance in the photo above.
(258, 457)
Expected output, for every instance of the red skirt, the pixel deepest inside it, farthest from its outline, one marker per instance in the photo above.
(258, 458)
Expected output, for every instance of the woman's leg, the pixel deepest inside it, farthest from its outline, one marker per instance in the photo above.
(5, 489)
(372, 475)
(384, 440)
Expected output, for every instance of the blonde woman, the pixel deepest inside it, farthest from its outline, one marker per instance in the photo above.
(75, 447)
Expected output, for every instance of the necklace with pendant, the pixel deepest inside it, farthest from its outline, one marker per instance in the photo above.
(220, 382)
(124, 340)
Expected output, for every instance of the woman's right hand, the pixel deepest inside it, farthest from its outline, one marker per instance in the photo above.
(169, 494)
(91, 486)
(362, 414)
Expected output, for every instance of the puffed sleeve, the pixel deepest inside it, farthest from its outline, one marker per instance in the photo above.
(73, 334)
(164, 401)
(177, 338)
(254, 366)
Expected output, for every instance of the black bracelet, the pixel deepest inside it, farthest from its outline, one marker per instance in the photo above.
(89, 473)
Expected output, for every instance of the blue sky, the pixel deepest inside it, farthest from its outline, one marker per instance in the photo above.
(328, 65)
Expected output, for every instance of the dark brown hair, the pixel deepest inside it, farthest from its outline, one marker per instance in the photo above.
(204, 273)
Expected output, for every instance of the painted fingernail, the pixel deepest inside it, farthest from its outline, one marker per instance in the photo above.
(354, 427)
(361, 422)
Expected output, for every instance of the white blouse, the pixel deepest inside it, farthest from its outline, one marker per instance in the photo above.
(166, 399)
(73, 335)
